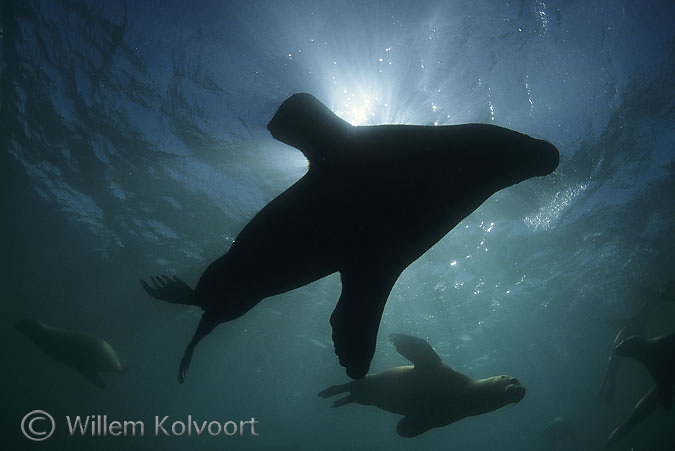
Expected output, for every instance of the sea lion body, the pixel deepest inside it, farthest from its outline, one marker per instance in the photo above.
(430, 394)
(87, 353)
(375, 199)
(449, 394)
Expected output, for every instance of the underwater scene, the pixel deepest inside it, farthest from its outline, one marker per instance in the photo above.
(307, 225)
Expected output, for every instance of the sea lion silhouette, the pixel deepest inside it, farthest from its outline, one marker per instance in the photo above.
(374, 199)
(88, 354)
(430, 394)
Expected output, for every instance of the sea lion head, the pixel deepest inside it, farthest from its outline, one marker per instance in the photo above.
(305, 123)
(506, 389)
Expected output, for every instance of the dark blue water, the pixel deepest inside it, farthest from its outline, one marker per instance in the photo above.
(134, 143)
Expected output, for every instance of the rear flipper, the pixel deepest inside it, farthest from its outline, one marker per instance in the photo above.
(334, 390)
(169, 289)
(356, 318)
(337, 389)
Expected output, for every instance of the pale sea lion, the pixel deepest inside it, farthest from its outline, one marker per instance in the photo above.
(375, 199)
(430, 394)
(658, 355)
(88, 354)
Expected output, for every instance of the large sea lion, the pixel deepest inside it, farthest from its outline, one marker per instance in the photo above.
(658, 355)
(430, 394)
(373, 200)
(88, 354)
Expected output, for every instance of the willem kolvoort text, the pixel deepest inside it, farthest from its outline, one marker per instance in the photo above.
(98, 426)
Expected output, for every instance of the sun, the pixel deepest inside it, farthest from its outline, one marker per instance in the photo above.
(359, 108)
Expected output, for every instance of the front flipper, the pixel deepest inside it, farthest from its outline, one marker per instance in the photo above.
(356, 318)
(412, 426)
(417, 350)
(206, 325)
(91, 376)
(169, 289)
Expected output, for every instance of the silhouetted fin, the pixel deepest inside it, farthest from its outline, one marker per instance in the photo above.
(412, 426)
(417, 350)
(92, 376)
(206, 325)
(356, 318)
(305, 123)
(169, 289)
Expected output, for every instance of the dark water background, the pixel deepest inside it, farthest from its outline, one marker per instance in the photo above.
(134, 143)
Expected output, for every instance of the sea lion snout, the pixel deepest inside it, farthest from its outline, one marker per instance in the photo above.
(515, 390)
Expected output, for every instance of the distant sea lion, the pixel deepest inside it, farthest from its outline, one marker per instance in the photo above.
(634, 325)
(374, 199)
(430, 394)
(658, 355)
(88, 354)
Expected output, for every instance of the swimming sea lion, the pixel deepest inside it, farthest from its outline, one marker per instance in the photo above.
(658, 355)
(88, 354)
(634, 325)
(430, 394)
(374, 200)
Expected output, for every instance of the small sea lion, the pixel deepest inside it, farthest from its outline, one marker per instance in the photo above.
(658, 355)
(430, 394)
(88, 354)
(374, 199)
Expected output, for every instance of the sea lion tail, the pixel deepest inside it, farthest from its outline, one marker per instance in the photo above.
(336, 389)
